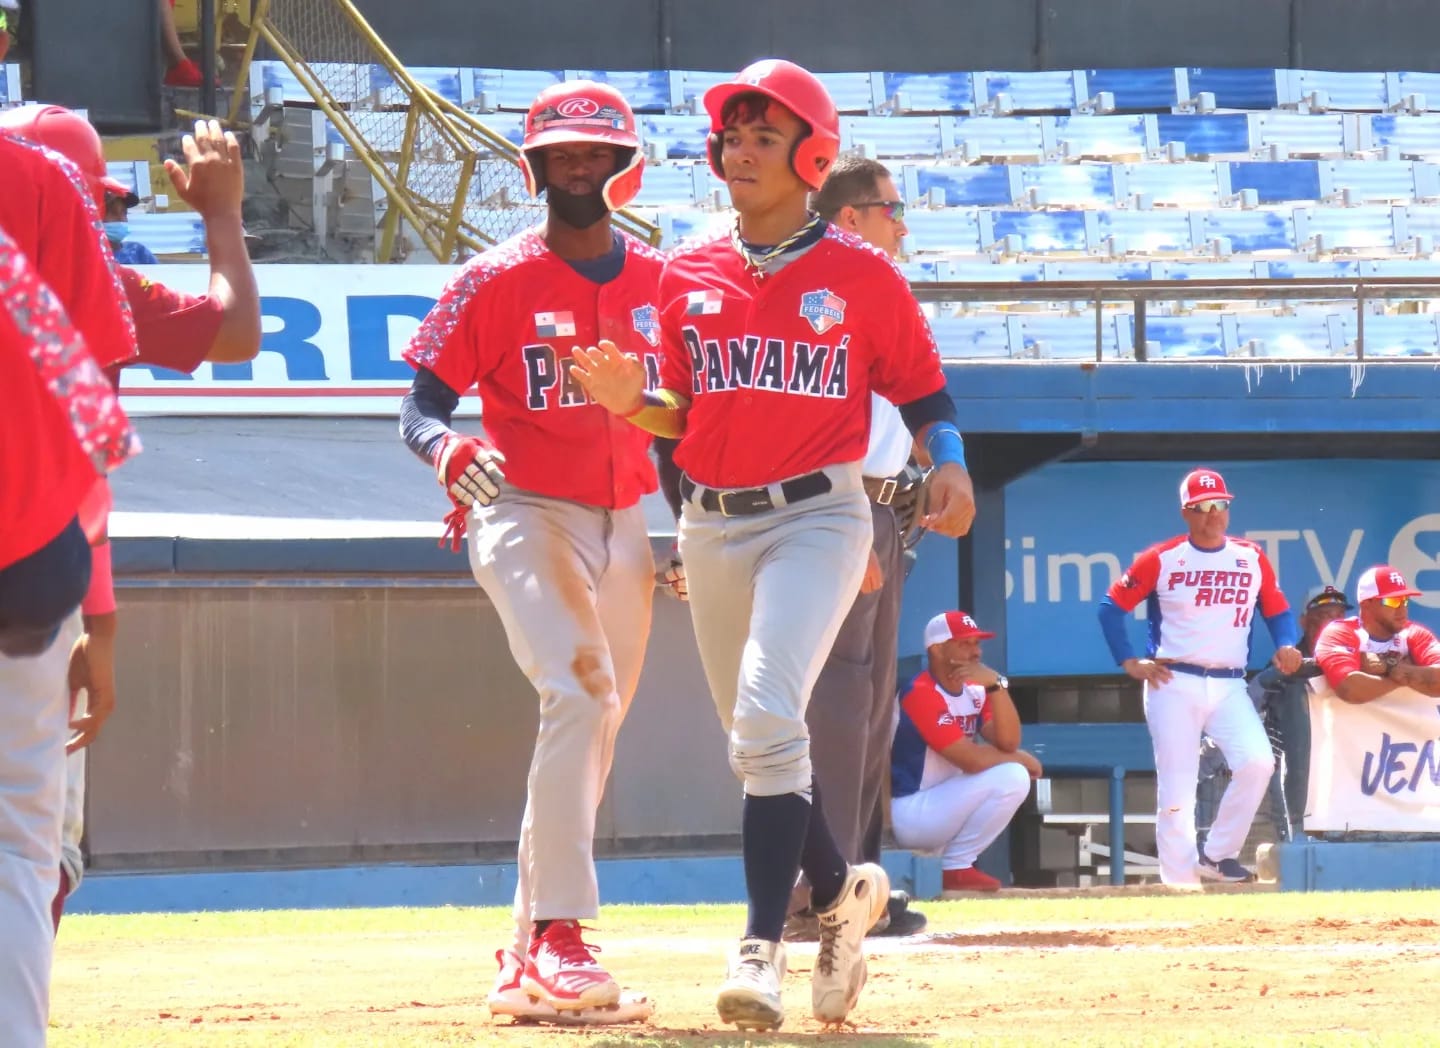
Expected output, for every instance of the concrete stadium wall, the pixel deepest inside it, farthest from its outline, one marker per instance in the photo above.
(917, 35)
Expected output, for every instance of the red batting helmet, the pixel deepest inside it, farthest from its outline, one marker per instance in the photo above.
(583, 111)
(70, 135)
(799, 91)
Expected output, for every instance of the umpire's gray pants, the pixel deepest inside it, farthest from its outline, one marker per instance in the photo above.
(852, 714)
(768, 593)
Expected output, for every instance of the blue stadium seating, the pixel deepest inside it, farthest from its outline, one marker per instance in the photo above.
(952, 230)
(1394, 335)
(1305, 334)
(1408, 136)
(1069, 185)
(1194, 184)
(1212, 134)
(883, 136)
(1277, 182)
(1235, 88)
(1041, 232)
(1250, 231)
(930, 92)
(1098, 136)
(986, 185)
(1196, 335)
(650, 91)
(1038, 92)
(1142, 90)
(1012, 139)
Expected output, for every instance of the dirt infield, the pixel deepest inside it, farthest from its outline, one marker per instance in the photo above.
(1236, 969)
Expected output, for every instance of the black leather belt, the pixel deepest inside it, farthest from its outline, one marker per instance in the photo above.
(745, 502)
(1205, 671)
(884, 490)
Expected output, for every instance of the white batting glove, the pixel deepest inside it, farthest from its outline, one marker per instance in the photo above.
(469, 471)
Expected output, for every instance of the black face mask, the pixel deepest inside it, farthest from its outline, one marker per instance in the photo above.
(578, 210)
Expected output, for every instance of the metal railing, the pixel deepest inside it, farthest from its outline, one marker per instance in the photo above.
(1141, 294)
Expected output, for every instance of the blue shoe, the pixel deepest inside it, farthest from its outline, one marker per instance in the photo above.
(1228, 870)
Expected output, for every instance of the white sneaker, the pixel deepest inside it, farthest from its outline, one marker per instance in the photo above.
(750, 995)
(840, 965)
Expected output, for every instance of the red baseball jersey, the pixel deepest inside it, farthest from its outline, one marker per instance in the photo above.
(931, 719)
(507, 323)
(779, 369)
(50, 214)
(61, 425)
(1200, 602)
(1342, 642)
(172, 329)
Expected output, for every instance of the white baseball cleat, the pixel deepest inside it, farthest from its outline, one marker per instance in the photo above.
(840, 965)
(509, 1000)
(750, 995)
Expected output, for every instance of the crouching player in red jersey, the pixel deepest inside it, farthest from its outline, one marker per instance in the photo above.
(774, 335)
(551, 501)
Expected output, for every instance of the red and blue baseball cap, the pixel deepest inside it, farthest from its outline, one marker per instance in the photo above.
(1202, 484)
(953, 625)
(1383, 581)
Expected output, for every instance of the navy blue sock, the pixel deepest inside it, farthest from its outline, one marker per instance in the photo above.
(820, 858)
(772, 833)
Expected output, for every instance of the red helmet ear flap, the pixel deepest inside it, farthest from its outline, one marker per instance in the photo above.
(624, 185)
(534, 171)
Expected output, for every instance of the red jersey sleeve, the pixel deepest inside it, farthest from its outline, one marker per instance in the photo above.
(926, 708)
(450, 339)
(677, 370)
(1272, 600)
(1138, 582)
(1337, 650)
(173, 329)
(910, 368)
(1424, 648)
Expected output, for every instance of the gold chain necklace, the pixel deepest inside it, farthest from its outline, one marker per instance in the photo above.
(758, 262)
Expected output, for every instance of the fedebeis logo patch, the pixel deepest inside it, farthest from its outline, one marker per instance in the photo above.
(823, 309)
(647, 322)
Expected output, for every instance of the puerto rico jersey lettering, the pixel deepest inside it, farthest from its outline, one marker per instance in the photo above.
(931, 718)
(1200, 603)
(508, 322)
(779, 368)
(1341, 643)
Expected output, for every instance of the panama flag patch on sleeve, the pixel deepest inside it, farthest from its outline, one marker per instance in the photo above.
(703, 303)
(555, 325)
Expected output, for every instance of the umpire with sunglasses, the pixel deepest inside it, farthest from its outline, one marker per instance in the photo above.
(852, 713)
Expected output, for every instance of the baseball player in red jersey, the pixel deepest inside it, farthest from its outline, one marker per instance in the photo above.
(1369, 655)
(551, 499)
(1201, 589)
(174, 330)
(775, 334)
(61, 428)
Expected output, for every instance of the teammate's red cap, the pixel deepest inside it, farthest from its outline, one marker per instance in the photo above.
(953, 625)
(1202, 484)
(72, 136)
(1383, 581)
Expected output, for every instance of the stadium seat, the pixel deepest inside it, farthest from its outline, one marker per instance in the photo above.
(1097, 137)
(1135, 90)
(981, 185)
(1409, 137)
(1068, 185)
(1320, 91)
(1393, 334)
(1194, 184)
(1012, 139)
(951, 230)
(449, 84)
(1069, 336)
(694, 84)
(1305, 334)
(1208, 270)
(971, 337)
(510, 89)
(1142, 233)
(1366, 181)
(683, 136)
(1305, 134)
(1326, 269)
(929, 92)
(1205, 135)
(1037, 92)
(1197, 335)
(1006, 272)
(1234, 88)
(647, 91)
(674, 184)
(169, 232)
(1040, 232)
(852, 92)
(133, 173)
(1277, 182)
(1249, 232)
(1370, 228)
(885, 136)
(1078, 270)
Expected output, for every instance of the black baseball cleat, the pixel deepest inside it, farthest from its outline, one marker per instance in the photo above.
(1228, 870)
(899, 920)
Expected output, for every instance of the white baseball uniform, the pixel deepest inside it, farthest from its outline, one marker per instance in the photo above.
(1200, 607)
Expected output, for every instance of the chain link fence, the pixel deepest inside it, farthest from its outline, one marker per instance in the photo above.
(454, 182)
